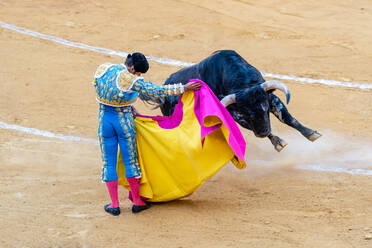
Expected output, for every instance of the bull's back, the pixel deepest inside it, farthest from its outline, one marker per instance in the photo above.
(224, 71)
(181, 76)
(227, 72)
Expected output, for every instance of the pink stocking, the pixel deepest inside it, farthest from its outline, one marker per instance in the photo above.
(134, 184)
(131, 198)
(112, 187)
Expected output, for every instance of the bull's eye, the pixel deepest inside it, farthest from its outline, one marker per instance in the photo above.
(264, 107)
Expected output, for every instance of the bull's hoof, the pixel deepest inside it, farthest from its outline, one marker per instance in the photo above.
(314, 136)
(280, 146)
(278, 143)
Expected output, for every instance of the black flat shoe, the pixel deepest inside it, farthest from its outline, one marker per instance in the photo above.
(112, 211)
(137, 209)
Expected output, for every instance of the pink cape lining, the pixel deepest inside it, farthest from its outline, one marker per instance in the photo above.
(206, 104)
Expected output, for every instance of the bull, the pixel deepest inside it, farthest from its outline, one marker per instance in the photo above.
(244, 92)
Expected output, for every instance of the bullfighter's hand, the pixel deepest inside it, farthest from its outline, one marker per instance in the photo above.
(192, 86)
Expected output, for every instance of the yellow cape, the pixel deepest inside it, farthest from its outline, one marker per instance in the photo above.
(173, 162)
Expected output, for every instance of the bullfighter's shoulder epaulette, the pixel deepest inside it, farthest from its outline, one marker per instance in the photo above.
(101, 70)
(126, 79)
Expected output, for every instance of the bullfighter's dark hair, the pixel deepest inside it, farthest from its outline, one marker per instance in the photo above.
(139, 61)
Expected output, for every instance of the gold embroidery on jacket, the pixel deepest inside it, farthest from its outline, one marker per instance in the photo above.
(125, 80)
(102, 69)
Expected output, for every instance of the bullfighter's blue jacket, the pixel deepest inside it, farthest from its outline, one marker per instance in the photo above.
(116, 90)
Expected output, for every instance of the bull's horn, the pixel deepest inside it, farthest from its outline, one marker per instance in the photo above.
(271, 85)
(229, 99)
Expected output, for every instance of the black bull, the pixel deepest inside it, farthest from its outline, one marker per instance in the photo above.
(242, 89)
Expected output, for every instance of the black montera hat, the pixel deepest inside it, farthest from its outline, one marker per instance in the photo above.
(139, 62)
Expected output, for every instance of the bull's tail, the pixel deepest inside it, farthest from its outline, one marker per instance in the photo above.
(150, 100)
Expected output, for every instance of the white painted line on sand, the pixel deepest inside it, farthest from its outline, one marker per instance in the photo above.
(47, 134)
(177, 62)
(87, 47)
(337, 170)
(319, 81)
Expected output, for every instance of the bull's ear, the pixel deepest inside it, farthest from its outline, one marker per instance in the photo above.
(270, 91)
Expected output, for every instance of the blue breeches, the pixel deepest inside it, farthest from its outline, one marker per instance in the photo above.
(116, 127)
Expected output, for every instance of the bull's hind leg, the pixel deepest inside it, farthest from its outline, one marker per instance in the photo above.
(280, 111)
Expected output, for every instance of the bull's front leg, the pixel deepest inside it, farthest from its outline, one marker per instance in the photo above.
(280, 111)
(277, 142)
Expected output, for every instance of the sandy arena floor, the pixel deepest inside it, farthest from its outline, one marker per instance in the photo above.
(50, 190)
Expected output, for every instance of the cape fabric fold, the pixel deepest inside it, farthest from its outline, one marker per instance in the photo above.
(177, 154)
